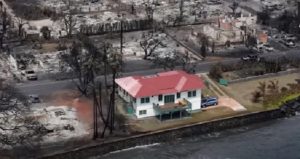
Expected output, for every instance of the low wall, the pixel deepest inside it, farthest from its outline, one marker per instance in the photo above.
(168, 135)
(263, 76)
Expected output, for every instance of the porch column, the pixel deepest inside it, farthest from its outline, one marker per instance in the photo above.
(180, 113)
(171, 114)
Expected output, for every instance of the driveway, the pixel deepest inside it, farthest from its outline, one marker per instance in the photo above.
(229, 103)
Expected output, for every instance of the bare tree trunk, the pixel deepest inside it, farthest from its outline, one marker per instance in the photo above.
(4, 25)
(112, 99)
(107, 118)
(95, 135)
(121, 38)
(181, 3)
(105, 77)
(100, 106)
(1, 40)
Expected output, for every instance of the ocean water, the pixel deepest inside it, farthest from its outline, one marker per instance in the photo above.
(277, 139)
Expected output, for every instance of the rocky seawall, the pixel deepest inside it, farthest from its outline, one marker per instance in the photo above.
(168, 135)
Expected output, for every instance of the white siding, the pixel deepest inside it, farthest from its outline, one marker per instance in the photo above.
(146, 106)
(138, 106)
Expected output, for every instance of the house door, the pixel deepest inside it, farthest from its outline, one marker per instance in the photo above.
(169, 99)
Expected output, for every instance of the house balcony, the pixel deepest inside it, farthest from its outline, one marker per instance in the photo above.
(181, 106)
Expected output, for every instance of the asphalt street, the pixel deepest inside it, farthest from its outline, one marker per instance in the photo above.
(46, 87)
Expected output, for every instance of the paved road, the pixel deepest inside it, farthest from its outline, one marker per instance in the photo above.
(46, 87)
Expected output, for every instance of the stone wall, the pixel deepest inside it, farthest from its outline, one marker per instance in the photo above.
(264, 76)
(168, 135)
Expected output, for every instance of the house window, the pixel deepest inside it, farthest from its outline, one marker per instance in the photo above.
(178, 95)
(134, 100)
(160, 97)
(169, 99)
(192, 94)
(145, 100)
(142, 112)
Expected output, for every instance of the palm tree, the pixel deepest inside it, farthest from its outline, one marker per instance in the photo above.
(262, 88)
(115, 61)
(273, 87)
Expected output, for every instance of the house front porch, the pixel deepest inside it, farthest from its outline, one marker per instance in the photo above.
(173, 110)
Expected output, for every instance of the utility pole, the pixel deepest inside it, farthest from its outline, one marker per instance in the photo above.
(121, 38)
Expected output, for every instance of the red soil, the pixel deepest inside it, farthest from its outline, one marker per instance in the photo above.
(83, 105)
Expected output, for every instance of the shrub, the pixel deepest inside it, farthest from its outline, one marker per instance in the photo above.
(216, 71)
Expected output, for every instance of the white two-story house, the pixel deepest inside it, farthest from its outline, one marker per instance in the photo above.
(162, 93)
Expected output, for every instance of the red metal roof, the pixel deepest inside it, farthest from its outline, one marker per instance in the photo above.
(161, 83)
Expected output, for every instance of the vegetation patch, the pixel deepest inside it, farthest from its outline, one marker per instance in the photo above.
(272, 96)
(250, 68)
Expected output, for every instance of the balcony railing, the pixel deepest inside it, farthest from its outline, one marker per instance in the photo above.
(173, 107)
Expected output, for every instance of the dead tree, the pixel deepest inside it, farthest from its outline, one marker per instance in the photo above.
(234, 7)
(21, 23)
(186, 61)
(17, 127)
(181, 6)
(149, 8)
(46, 32)
(114, 61)
(149, 44)
(84, 60)
(70, 22)
(204, 45)
(5, 22)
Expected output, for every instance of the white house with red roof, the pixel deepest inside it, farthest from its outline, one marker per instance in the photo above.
(162, 93)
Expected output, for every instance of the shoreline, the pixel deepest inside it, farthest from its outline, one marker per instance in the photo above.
(167, 135)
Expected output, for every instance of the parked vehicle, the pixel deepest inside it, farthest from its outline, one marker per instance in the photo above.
(251, 58)
(209, 101)
(268, 48)
(34, 99)
(258, 49)
(290, 37)
(290, 43)
(29, 75)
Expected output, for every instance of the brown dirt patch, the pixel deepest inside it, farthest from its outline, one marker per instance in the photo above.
(84, 106)
(49, 47)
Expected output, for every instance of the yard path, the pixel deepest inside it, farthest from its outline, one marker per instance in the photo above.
(213, 86)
